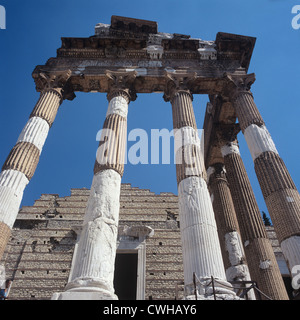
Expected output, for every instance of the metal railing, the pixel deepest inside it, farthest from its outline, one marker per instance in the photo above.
(241, 288)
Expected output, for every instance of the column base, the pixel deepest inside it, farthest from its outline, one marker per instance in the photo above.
(218, 296)
(220, 290)
(85, 294)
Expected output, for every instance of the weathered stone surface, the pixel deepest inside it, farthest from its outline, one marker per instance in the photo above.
(256, 244)
(35, 132)
(259, 140)
(12, 184)
(199, 232)
(136, 45)
(23, 157)
(46, 252)
(43, 252)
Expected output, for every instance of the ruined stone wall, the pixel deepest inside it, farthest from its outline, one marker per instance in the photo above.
(39, 255)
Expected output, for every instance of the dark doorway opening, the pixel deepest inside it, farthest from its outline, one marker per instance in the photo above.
(288, 285)
(125, 279)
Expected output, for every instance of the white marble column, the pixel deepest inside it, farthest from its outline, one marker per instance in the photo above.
(260, 256)
(94, 262)
(234, 257)
(280, 193)
(200, 243)
(22, 161)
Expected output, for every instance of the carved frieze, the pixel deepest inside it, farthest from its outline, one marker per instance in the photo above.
(94, 85)
(155, 51)
(207, 50)
(134, 43)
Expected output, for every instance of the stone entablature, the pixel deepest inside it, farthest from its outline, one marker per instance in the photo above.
(151, 53)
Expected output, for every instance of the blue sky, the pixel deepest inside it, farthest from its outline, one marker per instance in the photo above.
(33, 32)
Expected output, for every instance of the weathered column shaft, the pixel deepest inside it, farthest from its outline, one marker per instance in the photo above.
(228, 229)
(200, 243)
(22, 160)
(94, 261)
(111, 151)
(280, 193)
(261, 260)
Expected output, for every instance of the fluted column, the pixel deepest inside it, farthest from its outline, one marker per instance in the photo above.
(261, 260)
(20, 165)
(200, 242)
(280, 193)
(228, 229)
(93, 265)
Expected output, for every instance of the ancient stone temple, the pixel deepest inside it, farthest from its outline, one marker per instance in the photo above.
(209, 242)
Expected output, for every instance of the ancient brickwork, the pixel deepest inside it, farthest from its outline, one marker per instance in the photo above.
(5, 231)
(39, 254)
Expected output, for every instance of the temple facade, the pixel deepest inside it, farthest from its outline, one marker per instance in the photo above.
(223, 239)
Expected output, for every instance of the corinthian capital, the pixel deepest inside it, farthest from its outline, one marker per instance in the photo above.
(234, 84)
(217, 172)
(226, 133)
(121, 81)
(54, 80)
(178, 82)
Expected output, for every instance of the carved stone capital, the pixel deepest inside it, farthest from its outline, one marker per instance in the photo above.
(226, 133)
(121, 83)
(178, 82)
(56, 81)
(234, 84)
(219, 172)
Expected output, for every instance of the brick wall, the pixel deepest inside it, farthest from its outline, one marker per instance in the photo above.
(39, 254)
